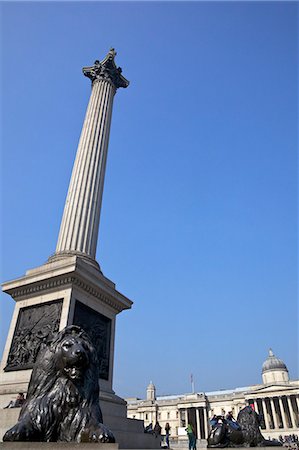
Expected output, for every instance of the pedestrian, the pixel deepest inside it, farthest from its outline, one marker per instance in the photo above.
(157, 429)
(191, 437)
(167, 432)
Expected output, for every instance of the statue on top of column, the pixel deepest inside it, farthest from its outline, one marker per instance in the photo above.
(107, 70)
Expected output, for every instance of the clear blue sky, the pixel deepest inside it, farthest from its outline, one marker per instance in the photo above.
(198, 224)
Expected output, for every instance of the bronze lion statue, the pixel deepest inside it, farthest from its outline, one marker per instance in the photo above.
(243, 433)
(63, 396)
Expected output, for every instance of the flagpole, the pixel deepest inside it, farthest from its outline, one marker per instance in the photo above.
(192, 384)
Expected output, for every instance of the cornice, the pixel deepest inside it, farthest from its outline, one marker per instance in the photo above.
(19, 293)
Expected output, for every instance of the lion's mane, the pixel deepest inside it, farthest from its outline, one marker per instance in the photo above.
(249, 421)
(63, 396)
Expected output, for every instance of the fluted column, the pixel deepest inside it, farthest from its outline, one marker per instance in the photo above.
(292, 415)
(80, 223)
(205, 422)
(264, 406)
(276, 426)
(198, 423)
(283, 418)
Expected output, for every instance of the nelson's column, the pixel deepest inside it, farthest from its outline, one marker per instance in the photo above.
(70, 287)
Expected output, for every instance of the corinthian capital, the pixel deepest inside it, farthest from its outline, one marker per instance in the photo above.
(106, 70)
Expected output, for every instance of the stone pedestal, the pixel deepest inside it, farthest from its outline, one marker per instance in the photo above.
(60, 293)
(129, 434)
(56, 446)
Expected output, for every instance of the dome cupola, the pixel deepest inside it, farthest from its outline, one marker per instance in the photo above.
(274, 369)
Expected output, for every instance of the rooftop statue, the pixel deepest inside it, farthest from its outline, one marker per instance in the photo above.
(63, 395)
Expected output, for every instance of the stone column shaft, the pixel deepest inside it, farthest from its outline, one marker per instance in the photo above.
(80, 222)
(265, 414)
(276, 426)
(283, 418)
(198, 424)
(205, 423)
(292, 415)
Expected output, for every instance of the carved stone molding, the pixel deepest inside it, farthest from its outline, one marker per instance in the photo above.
(64, 281)
(106, 70)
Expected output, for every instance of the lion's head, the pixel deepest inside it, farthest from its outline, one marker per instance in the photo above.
(70, 355)
(72, 352)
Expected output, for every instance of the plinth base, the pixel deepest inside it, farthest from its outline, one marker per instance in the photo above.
(56, 446)
(128, 433)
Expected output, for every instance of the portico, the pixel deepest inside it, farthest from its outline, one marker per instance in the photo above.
(193, 410)
(276, 400)
(280, 412)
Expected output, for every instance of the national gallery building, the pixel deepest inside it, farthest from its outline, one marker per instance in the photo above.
(277, 400)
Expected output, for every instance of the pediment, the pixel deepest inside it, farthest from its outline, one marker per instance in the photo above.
(273, 388)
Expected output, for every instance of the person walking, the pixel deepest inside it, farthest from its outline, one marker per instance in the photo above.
(157, 429)
(167, 433)
(191, 437)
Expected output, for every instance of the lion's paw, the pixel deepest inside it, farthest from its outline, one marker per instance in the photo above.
(98, 434)
(20, 432)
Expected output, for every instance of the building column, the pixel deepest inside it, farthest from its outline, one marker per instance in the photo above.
(265, 413)
(186, 416)
(80, 222)
(283, 418)
(198, 423)
(276, 426)
(255, 406)
(205, 422)
(296, 398)
(292, 415)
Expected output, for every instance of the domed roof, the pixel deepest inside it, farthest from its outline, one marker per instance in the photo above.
(151, 385)
(273, 363)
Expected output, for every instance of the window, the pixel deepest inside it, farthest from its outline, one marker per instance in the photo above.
(146, 416)
(168, 415)
(159, 416)
(177, 414)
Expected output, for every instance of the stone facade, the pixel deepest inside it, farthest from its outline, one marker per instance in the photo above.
(277, 399)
